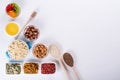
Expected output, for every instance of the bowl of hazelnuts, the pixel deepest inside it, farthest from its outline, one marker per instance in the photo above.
(31, 33)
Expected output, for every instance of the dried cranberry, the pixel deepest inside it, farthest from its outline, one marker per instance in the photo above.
(48, 68)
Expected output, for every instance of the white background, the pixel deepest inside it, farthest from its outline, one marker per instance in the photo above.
(88, 28)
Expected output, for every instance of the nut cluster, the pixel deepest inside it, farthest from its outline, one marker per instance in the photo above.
(31, 33)
(40, 51)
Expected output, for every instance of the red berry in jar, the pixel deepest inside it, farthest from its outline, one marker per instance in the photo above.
(48, 68)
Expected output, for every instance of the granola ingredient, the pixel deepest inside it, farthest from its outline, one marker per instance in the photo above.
(48, 68)
(18, 50)
(31, 68)
(68, 59)
(13, 68)
(31, 33)
(40, 51)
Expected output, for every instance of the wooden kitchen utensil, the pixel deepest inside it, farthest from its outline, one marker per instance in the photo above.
(34, 13)
(68, 59)
(55, 52)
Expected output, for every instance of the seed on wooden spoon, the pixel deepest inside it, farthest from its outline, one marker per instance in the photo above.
(68, 59)
(55, 52)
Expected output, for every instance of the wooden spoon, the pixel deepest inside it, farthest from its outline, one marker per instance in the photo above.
(34, 13)
(68, 59)
(55, 52)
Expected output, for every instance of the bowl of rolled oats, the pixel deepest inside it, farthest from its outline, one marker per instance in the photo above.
(18, 50)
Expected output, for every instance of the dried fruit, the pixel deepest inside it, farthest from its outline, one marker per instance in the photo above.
(48, 68)
(31, 68)
(12, 14)
(9, 7)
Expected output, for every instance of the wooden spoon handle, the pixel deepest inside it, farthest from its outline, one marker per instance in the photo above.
(76, 74)
(65, 71)
(31, 17)
(21, 30)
